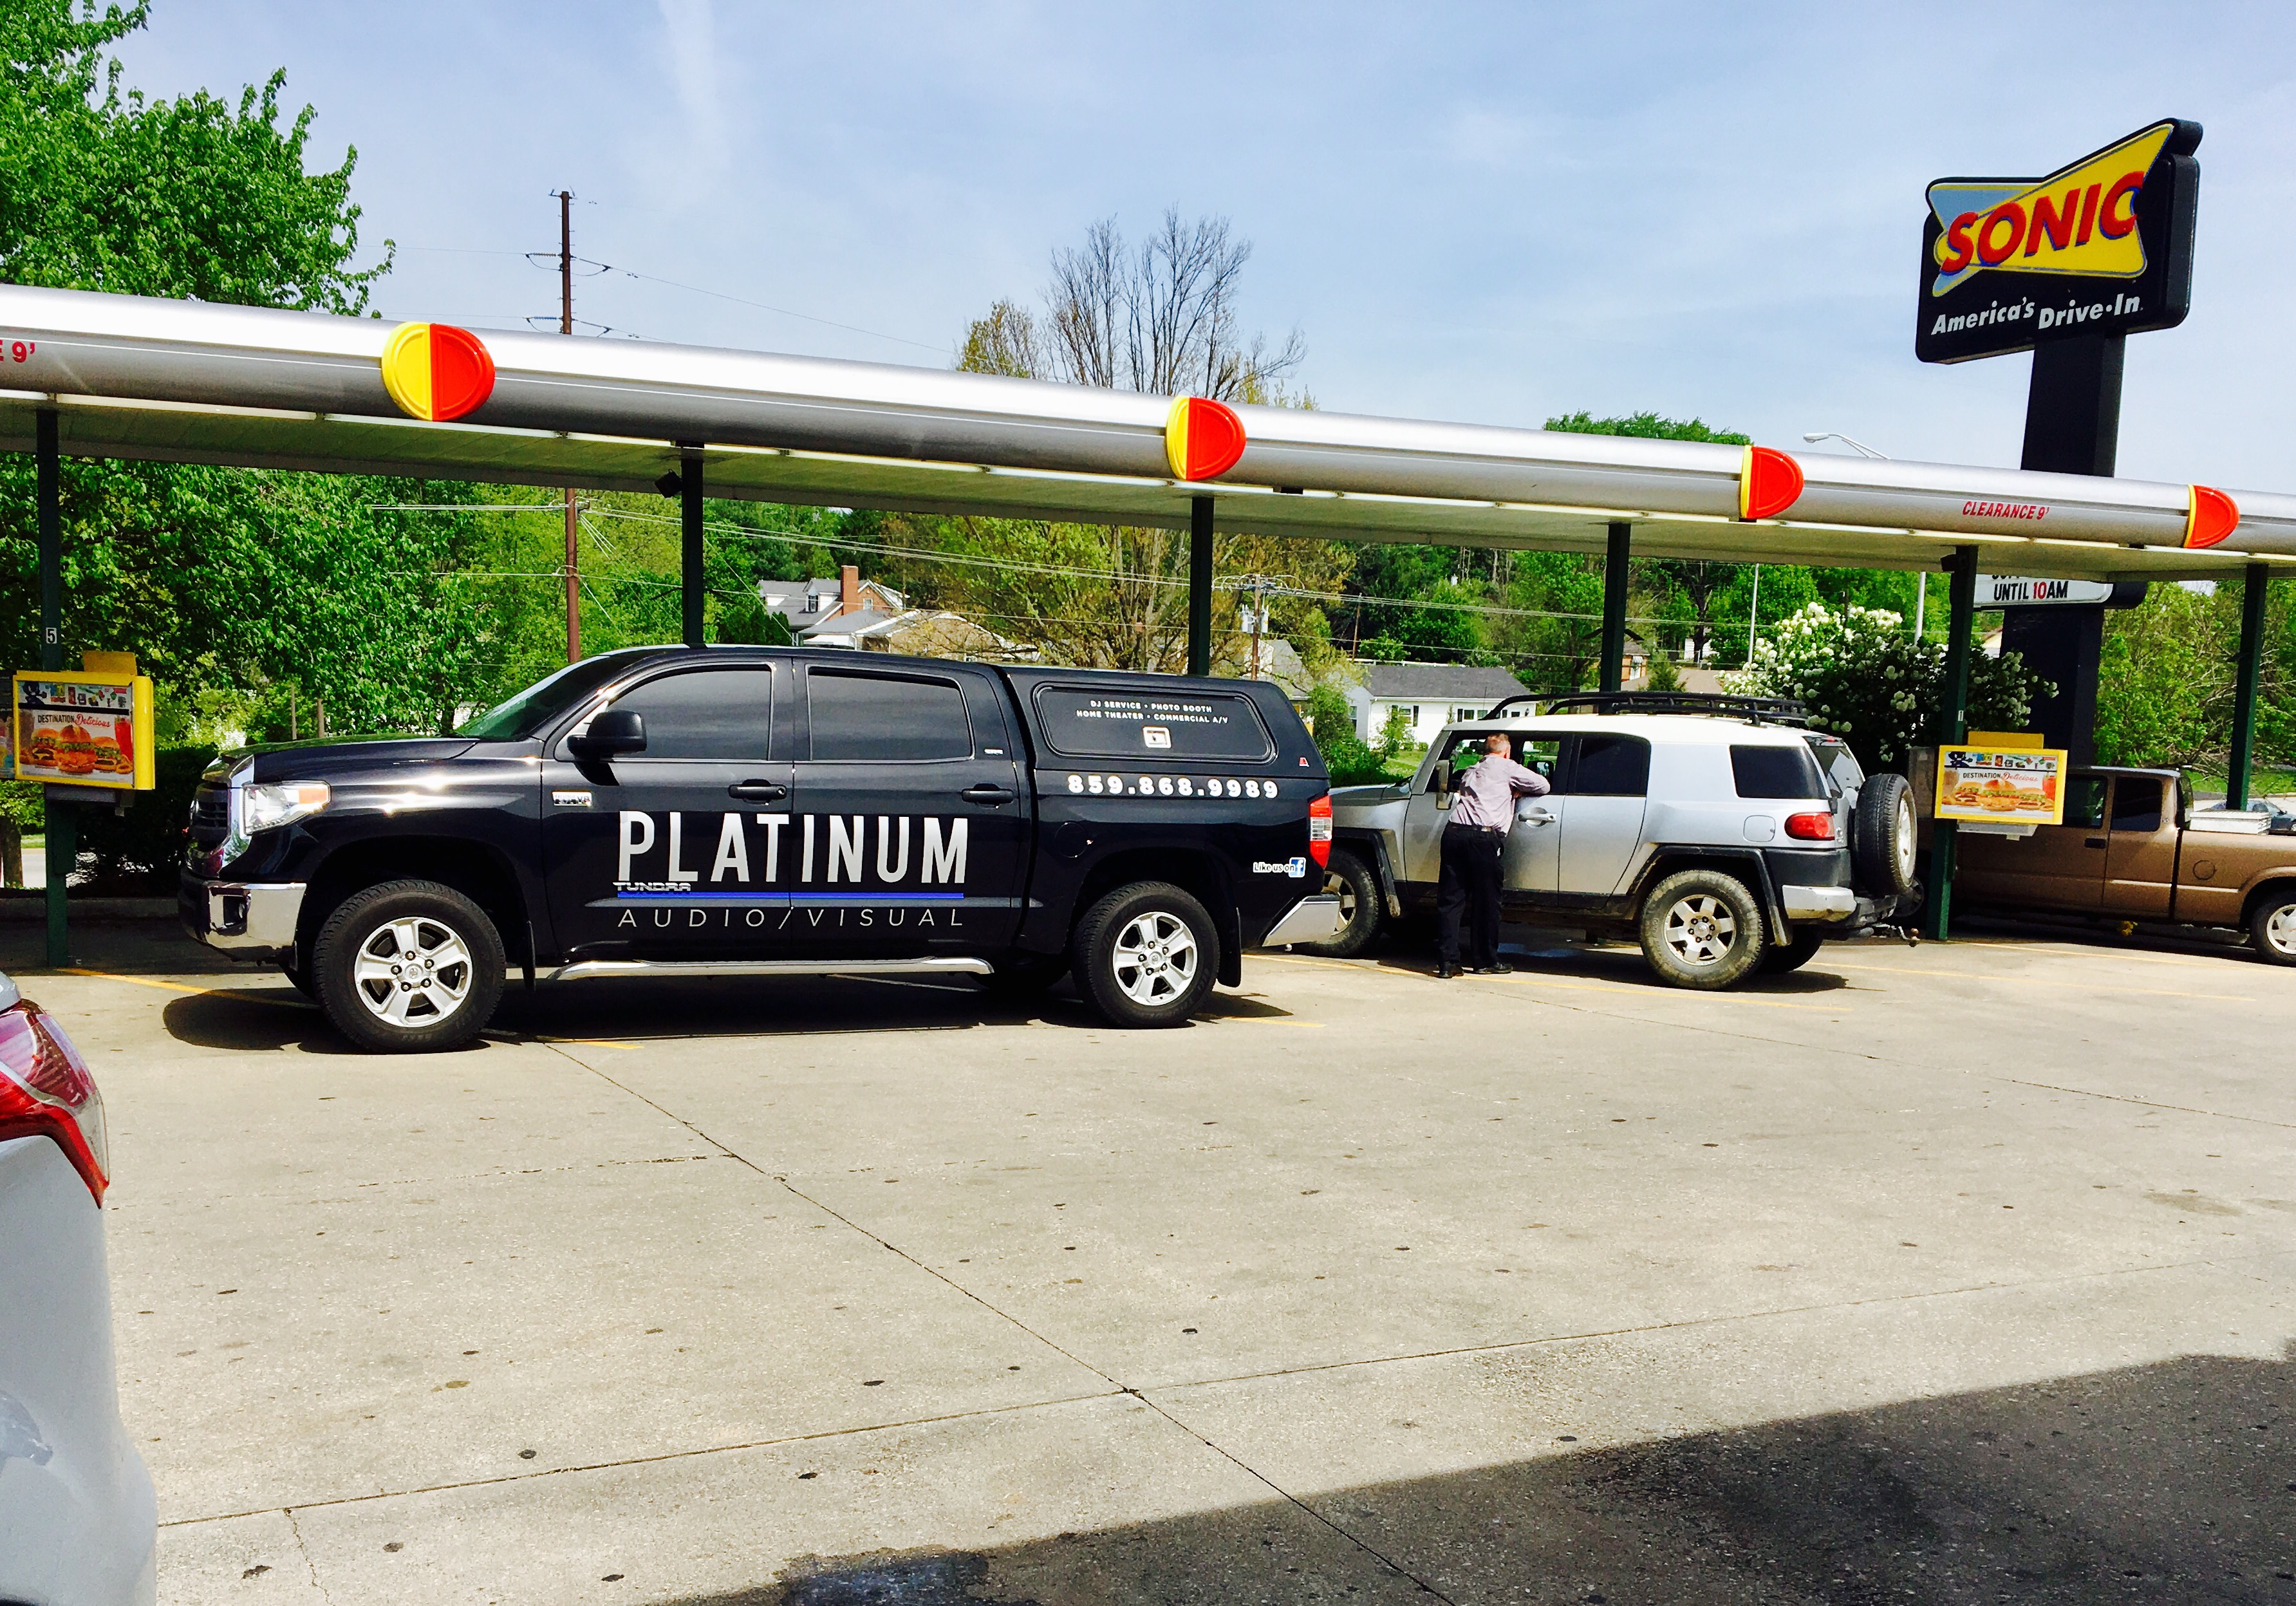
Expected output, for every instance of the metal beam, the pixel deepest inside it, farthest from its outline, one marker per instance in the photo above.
(1200, 585)
(2254, 590)
(61, 824)
(690, 586)
(1614, 607)
(1952, 726)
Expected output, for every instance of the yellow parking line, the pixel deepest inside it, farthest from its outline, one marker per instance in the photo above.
(248, 994)
(2094, 986)
(587, 1042)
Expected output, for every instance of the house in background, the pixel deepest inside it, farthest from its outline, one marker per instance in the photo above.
(828, 613)
(1431, 696)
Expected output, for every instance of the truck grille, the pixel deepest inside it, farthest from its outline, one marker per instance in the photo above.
(211, 817)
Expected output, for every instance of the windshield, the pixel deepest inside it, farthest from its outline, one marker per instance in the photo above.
(530, 710)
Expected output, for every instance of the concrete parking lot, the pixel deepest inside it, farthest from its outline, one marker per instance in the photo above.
(1952, 1274)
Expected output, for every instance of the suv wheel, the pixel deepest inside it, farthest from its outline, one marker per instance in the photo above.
(2271, 924)
(1882, 837)
(1702, 929)
(1146, 955)
(408, 967)
(1781, 957)
(1359, 907)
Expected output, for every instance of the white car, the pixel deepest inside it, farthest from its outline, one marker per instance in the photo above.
(1720, 833)
(79, 1523)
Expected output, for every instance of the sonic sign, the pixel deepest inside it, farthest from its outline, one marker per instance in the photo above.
(2102, 246)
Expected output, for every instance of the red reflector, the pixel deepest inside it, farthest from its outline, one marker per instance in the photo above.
(1810, 827)
(1319, 832)
(46, 1092)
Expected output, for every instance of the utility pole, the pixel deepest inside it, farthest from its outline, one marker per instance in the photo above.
(566, 326)
(1258, 619)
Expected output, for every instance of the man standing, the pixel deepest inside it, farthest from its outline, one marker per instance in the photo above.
(1475, 844)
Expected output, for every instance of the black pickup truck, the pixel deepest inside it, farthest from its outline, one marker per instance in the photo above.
(754, 811)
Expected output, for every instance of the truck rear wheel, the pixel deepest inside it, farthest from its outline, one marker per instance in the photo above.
(408, 967)
(1360, 907)
(1146, 955)
(2271, 924)
(1702, 929)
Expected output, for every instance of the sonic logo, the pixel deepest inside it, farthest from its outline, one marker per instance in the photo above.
(2080, 219)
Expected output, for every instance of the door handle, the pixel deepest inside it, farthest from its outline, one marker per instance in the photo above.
(1539, 816)
(987, 792)
(2094, 842)
(757, 791)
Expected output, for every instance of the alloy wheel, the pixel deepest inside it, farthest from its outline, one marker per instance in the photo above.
(1154, 958)
(1701, 928)
(2280, 928)
(413, 972)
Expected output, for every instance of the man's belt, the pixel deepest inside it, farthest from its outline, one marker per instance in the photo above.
(1494, 830)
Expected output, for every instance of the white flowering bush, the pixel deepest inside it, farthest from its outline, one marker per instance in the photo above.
(1863, 677)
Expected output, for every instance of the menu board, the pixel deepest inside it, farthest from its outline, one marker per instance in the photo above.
(2003, 786)
(81, 728)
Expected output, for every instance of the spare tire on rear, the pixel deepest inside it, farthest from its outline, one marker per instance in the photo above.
(1882, 838)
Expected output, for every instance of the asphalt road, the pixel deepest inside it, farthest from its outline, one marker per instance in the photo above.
(1959, 1273)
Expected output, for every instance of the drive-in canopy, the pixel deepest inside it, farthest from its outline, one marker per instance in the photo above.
(183, 381)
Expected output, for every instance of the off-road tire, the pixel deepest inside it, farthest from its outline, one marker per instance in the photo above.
(1779, 958)
(1882, 838)
(1702, 929)
(1026, 975)
(2271, 924)
(443, 997)
(1146, 955)
(1361, 905)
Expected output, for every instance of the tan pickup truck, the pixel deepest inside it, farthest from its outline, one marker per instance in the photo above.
(2133, 849)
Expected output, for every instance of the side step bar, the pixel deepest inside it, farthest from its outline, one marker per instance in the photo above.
(950, 966)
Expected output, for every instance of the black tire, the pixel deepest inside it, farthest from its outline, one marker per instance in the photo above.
(1145, 955)
(1361, 905)
(1883, 838)
(1702, 929)
(441, 998)
(301, 980)
(1026, 975)
(2271, 924)
(1781, 957)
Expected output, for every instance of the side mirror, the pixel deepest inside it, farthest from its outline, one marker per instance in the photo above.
(1439, 778)
(613, 734)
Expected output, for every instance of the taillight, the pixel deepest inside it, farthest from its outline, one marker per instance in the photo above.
(1319, 832)
(46, 1091)
(1811, 827)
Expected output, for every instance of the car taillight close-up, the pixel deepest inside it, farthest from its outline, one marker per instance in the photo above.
(45, 1091)
(1811, 827)
(1319, 832)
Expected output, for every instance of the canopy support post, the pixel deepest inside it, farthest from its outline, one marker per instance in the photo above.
(1953, 728)
(1614, 606)
(690, 580)
(1200, 585)
(61, 822)
(2253, 591)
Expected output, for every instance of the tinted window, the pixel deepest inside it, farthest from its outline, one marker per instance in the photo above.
(1777, 771)
(2084, 801)
(1091, 723)
(525, 713)
(2137, 803)
(893, 718)
(706, 713)
(1612, 766)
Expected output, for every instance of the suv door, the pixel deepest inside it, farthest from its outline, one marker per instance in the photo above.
(911, 832)
(1599, 809)
(683, 850)
(1532, 858)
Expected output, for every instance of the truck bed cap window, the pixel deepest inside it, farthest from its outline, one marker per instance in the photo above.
(1786, 771)
(1087, 722)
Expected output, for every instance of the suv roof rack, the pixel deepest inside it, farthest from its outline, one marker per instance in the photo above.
(1758, 711)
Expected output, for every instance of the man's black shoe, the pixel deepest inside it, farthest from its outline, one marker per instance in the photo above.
(1444, 972)
(1501, 969)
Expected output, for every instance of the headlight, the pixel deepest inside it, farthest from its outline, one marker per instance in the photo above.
(280, 804)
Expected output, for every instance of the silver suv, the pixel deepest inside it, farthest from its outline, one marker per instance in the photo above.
(1720, 833)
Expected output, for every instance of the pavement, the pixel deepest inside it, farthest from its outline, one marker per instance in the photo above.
(1957, 1273)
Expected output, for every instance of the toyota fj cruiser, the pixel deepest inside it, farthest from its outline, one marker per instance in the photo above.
(1720, 833)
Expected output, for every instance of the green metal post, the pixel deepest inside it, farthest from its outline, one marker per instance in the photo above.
(2251, 665)
(691, 581)
(1614, 606)
(1200, 585)
(64, 840)
(1954, 727)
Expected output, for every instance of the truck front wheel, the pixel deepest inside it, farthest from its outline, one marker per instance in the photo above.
(1702, 929)
(2272, 924)
(408, 967)
(1146, 955)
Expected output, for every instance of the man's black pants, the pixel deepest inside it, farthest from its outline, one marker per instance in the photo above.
(1472, 858)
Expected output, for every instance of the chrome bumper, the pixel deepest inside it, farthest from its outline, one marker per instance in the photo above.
(241, 916)
(1313, 919)
(1818, 903)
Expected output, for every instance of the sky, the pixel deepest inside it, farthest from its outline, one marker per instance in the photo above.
(1485, 213)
